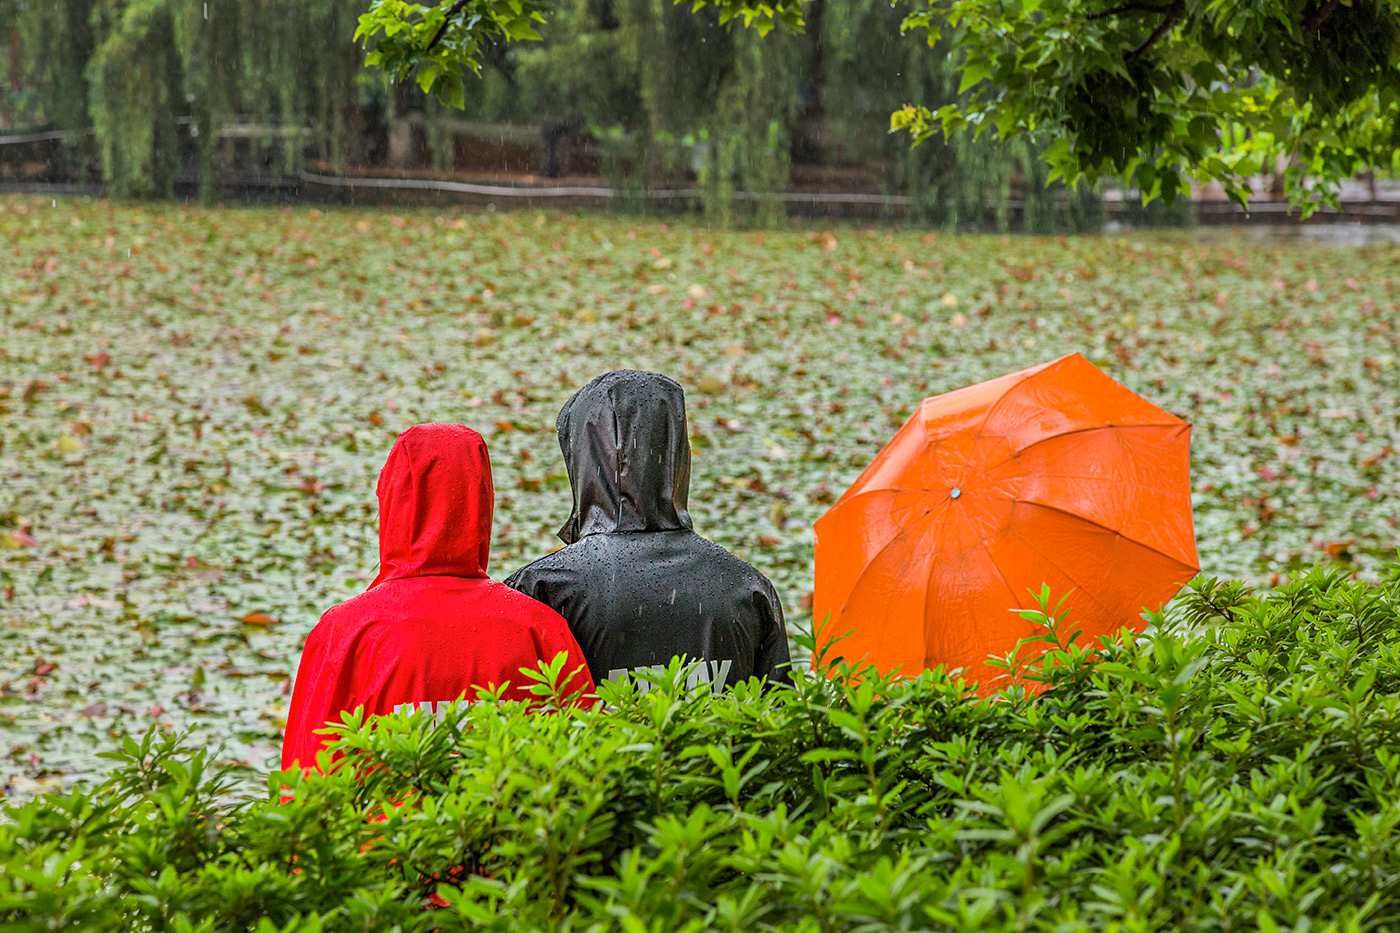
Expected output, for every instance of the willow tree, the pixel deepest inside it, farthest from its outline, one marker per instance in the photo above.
(668, 93)
(751, 137)
(159, 81)
(135, 76)
(64, 46)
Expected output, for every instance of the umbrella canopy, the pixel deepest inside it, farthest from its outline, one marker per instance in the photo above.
(1053, 475)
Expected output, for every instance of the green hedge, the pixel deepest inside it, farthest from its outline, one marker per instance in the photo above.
(1238, 768)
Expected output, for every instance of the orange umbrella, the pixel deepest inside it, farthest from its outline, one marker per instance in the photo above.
(1053, 475)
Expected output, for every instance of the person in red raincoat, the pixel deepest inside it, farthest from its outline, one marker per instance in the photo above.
(432, 626)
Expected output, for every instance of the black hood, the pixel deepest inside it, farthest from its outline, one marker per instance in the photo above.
(625, 446)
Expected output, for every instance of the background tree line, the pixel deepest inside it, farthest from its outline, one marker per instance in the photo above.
(155, 87)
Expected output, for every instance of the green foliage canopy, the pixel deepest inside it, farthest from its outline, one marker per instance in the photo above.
(1159, 93)
(1236, 768)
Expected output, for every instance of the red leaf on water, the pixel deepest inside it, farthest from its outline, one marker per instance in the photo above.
(14, 540)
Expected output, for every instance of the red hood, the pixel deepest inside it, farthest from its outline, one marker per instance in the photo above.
(435, 498)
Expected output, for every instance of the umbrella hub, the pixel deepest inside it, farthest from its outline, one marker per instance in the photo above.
(954, 493)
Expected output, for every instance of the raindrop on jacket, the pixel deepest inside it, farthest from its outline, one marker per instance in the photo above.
(432, 626)
(636, 584)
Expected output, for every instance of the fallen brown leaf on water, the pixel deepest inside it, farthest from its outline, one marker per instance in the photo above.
(710, 385)
(258, 618)
(1372, 461)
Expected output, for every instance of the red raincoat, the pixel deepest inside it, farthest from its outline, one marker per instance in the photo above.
(432, 626)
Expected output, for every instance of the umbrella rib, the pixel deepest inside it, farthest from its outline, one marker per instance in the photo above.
(893, 489)
(1175, 423)
(1043, 557)
(1097, 427)
(1001, 576)
(1098, 524)
(997, 567)
(991, 409)
(1088, 476)
(902, 535)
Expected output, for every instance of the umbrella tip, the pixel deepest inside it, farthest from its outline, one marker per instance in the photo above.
(955, 493)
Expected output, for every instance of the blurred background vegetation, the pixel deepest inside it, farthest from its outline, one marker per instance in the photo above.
(154, 98)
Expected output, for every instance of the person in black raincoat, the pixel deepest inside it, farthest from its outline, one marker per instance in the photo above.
(637, 586)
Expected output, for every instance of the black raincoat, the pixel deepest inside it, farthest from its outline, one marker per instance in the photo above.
(637, 586)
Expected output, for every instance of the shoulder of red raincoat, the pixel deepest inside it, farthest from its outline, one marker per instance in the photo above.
(343, 644)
